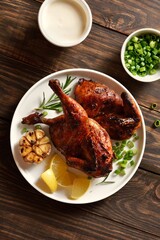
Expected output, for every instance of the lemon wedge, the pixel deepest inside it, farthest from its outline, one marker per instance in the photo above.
(58, 165)
(49, 178)
(65, 180)
(63, 176)
(79, 187)
(59, 174)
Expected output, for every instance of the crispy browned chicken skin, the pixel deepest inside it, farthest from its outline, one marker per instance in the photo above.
(84, 143)
(117, 114)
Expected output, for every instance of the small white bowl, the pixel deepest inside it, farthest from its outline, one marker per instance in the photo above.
(147, 78)
(65, 23)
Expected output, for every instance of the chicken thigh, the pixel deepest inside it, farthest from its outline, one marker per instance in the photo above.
(85, 144)
(117, 114)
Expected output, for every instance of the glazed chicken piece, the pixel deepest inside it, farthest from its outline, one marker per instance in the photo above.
(84, 143)
(97, 98)
(117, 114)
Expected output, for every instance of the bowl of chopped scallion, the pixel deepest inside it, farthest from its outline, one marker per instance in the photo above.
(140, 55)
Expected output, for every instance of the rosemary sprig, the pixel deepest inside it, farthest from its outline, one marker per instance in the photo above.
(53, 103)
(105, 181)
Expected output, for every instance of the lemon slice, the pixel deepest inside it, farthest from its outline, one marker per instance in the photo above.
(65, 179)
(63, 176)
(50, 179)
(58, 166)
(79, 187)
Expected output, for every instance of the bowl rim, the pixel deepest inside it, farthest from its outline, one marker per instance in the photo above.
(138, 33)
(83, 4)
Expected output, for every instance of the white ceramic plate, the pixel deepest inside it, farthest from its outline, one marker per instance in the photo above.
(31, 173)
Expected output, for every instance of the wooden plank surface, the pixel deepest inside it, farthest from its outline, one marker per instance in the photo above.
(106, 52)
(126, 18)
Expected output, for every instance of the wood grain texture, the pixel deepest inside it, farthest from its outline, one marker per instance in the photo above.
(138, 194)
(17, 46)
(104, 56)
(151, 158)
(16, 71)
(126, 18)
(17, 78)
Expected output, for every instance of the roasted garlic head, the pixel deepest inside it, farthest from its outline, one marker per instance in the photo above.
(35, 146)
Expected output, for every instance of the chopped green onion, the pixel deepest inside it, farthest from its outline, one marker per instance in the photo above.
(45, 113)
(128, 155)
(153, 106)
(124, 152)
(135, 39)
(152, 71)
(135, 138)
(142, 54)
(24, 130)
(132, 163)
(38, 127)
(130, 144)
(134, 151)
(120, 171)
(123, 163)
(156, 123)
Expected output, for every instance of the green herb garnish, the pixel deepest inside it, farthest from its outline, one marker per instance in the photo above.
(153, 106)
(38, 126)
(24, 130)
(156, 123)
(142, 54)
(104, 181)
(45, 114)
(53, 103)
(130, 144)
(124, 152)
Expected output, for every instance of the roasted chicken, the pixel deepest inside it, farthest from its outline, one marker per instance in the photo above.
(117, 114)
(85, 144)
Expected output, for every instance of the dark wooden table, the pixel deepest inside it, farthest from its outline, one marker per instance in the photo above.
(26, 57)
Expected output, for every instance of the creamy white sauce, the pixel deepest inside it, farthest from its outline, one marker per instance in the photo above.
(64, 21)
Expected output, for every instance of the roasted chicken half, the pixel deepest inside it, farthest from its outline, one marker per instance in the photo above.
(117, 114)
(84, 143)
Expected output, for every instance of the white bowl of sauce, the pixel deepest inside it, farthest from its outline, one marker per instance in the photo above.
(65, 23)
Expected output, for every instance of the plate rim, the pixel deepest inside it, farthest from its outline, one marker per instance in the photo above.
(80, 70)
